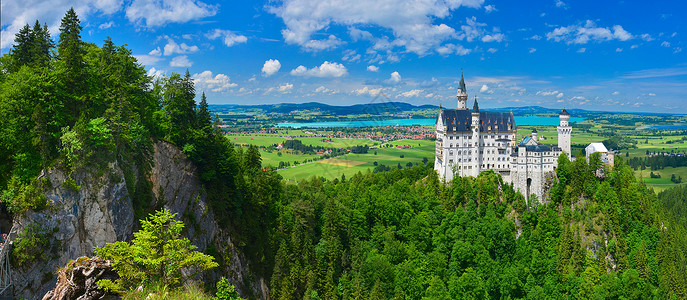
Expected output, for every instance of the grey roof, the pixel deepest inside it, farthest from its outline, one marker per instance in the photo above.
(565, 112)
(475, 108)
(489, 121)
(534, 130)
(461, 85)
(533, 148)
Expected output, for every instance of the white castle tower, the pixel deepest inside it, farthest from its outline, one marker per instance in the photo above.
(462, 94)
(476, 161)
(564, 132)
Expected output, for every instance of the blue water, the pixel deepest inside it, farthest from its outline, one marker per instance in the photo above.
(528, 120)
(664, 127)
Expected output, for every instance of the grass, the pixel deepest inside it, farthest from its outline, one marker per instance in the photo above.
(351, 164)
(660, 184)
(265, 140)
(273, 159)
(190, 292)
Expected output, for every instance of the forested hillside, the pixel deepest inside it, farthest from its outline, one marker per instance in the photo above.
(400, 234)
(80, 107)
(404, 235)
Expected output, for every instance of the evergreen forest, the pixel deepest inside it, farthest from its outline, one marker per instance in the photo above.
(392, 234)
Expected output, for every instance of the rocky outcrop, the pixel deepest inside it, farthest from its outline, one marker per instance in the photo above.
(100, 211)
(78, 280)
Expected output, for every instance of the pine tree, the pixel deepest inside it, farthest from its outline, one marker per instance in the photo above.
(203, 116)
(42, 44)
(71, 51)
(21, 52)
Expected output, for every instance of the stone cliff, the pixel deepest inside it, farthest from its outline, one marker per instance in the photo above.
(98, 209)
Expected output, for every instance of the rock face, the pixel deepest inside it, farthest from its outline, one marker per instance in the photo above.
(101, 211)
(77, 280)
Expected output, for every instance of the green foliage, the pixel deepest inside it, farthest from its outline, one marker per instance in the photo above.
(226, 291)
(155, 256)
(31, 245)
(20, 197)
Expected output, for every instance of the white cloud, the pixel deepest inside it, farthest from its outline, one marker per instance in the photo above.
(489, 8)
(394, 79)
(322, 89)
(652, 94)
(615, 93)
(155, 52)
(647, 37)
(496, 37)
(618, 49)
(16, 14)
(155, 13)
(665, 44)
(535, 37)
(411, 93)
(372, 68)
(351, 55)
(156, 74)
(285, 88)
(367, 91)
(181, 61)
(228, 37)
(173, 48)
(582, 50)
(492, 50)
(106, 25)
(453, 49)
(677, 50)
(217, 83)
(561, 4)
(560, 95)
(327, 69)
(411, 23)
(532, 50)
(547, 93)
(271, 67)
(484, 88)
(147, 60)
(582, 34)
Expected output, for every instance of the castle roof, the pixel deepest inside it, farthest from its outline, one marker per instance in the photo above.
(475, 108)
(564, 113)
(460, 121)
(461, 85)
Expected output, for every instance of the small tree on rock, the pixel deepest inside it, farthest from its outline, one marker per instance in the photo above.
(155, 256)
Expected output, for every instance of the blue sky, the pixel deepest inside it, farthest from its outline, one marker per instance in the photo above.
(599, 55)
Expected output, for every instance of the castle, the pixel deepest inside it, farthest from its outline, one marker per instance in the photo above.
(470, 142)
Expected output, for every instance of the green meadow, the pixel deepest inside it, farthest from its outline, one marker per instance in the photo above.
(351, 164)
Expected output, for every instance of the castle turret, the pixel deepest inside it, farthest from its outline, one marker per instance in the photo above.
(564, 132)
(476, 163)
(534, 135)
(462, 94)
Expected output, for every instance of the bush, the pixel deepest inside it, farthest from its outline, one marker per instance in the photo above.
(226, 291)
(20, 197)
(30, 245)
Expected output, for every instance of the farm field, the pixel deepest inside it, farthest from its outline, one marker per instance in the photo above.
(660, 184)
(351, 164)
(266, 140)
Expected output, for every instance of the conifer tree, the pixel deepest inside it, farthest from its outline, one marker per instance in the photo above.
(71, 51)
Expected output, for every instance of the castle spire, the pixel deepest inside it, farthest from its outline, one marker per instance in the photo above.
(462, 93)
(475, 108)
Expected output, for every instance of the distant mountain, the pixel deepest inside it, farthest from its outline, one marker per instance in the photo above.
(381, 108)
(357, 109)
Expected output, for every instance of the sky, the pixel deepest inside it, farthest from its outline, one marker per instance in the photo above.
(624, 56)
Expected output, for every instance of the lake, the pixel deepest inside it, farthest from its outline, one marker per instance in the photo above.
(527, 120)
